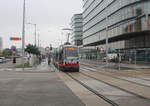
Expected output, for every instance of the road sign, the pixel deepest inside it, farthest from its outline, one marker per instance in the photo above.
(13, 48)
(15, 38)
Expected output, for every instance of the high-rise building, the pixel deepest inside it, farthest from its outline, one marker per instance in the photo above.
(77, 27)
(126, 24)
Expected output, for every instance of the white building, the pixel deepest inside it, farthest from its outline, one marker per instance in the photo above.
(77, 29)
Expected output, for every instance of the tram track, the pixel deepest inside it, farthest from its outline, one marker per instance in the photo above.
(132, 87)
(116, 77)
(119, 88)
(108, 92)
(143, 78)
(95, 92)
(131, 78)
(146, 79)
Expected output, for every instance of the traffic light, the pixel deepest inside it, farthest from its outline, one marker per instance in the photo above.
(51, 48)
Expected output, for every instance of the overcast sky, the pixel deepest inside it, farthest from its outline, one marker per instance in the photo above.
(49, 15)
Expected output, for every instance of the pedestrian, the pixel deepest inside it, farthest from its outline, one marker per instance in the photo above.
(49, 60)
(130, 60)
(14, 60)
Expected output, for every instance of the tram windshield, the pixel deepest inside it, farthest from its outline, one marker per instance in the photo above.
(71, 52)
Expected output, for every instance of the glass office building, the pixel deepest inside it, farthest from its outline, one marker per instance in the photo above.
(126, 23)
(77, 29)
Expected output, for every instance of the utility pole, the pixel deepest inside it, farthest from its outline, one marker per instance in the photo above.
(119, 58)
(35, 33)
(35, 28)
(107, 22)
(135, 57)
(38, 40)
(23, 32)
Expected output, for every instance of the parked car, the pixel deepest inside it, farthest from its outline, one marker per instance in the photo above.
(111, 57)
(2, 59)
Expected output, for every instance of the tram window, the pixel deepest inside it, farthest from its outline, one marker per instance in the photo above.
(71, 52)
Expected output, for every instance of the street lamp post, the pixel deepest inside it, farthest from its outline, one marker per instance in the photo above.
(23, 32)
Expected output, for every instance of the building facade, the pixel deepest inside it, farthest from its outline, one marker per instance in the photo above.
(126, 24)
(77, 29)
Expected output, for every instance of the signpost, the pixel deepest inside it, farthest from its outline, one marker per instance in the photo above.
(14, 50)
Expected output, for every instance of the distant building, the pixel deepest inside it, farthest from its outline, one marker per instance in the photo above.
(125, 22)
(1, 44)
(77, 27)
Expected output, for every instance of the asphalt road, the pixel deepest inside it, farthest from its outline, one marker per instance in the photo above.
(42, 88)
(9, 64)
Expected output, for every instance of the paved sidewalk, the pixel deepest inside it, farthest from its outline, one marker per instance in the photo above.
(38, 87)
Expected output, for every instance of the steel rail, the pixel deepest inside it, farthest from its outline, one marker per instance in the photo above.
(95, 92)
(135, 94)
(113, 76)
(115, 73)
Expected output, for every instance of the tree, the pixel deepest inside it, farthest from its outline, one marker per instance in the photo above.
(1, 52)
(7, 52)
(32, 49)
